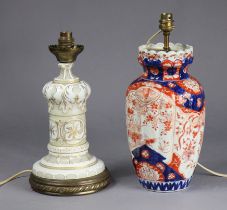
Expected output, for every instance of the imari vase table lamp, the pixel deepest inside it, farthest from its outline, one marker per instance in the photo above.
(68, 169)
(165, 114)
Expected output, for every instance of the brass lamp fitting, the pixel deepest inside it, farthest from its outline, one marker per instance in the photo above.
(66, 51)
(166, 25)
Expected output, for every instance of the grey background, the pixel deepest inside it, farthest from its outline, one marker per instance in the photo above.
(111, 32)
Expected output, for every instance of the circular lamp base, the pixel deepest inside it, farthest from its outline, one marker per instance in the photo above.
(71, 186)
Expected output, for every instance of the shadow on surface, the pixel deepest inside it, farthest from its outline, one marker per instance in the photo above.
(123, 174)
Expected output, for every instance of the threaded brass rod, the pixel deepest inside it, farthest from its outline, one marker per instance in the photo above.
(166, 42)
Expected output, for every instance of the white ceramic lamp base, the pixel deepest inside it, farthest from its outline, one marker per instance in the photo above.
(68, 169)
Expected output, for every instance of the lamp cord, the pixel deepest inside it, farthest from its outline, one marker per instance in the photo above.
(153, 36)
(15, 176)
(211, 171)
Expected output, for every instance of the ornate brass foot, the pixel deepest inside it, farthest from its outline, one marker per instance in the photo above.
(72, 186)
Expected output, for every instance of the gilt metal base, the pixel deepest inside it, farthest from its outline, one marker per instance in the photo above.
(72, 186)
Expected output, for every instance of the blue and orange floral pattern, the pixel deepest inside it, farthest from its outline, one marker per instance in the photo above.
(165, 109)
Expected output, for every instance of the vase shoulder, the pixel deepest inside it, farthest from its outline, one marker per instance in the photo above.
(189, 93)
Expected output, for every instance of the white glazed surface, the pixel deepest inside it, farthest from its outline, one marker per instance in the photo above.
(68, 156)
(178, 51)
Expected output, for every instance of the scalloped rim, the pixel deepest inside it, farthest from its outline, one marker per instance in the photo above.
(178, 51)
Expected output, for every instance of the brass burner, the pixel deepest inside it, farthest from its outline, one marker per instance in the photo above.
(66, 51)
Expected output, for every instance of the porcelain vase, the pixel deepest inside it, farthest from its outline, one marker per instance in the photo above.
(165, 116)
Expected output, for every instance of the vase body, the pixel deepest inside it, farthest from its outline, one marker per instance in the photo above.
(165, 116)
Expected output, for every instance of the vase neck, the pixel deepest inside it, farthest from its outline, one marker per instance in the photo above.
(165, 65)
(166, 71)
(66, 75)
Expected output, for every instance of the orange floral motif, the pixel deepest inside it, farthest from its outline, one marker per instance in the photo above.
(154, 106)
(150, 117)
(189, 150)
(154, 125)
(154, 71)
(134, 102)
(175, 163)
(135, 136)
(145, 154)
(130, 111)
(167, 125)
(150, 141)
(168, 105)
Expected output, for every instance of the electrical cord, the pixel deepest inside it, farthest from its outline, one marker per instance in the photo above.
(211, 171)
(153, 36)
(15, 176)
